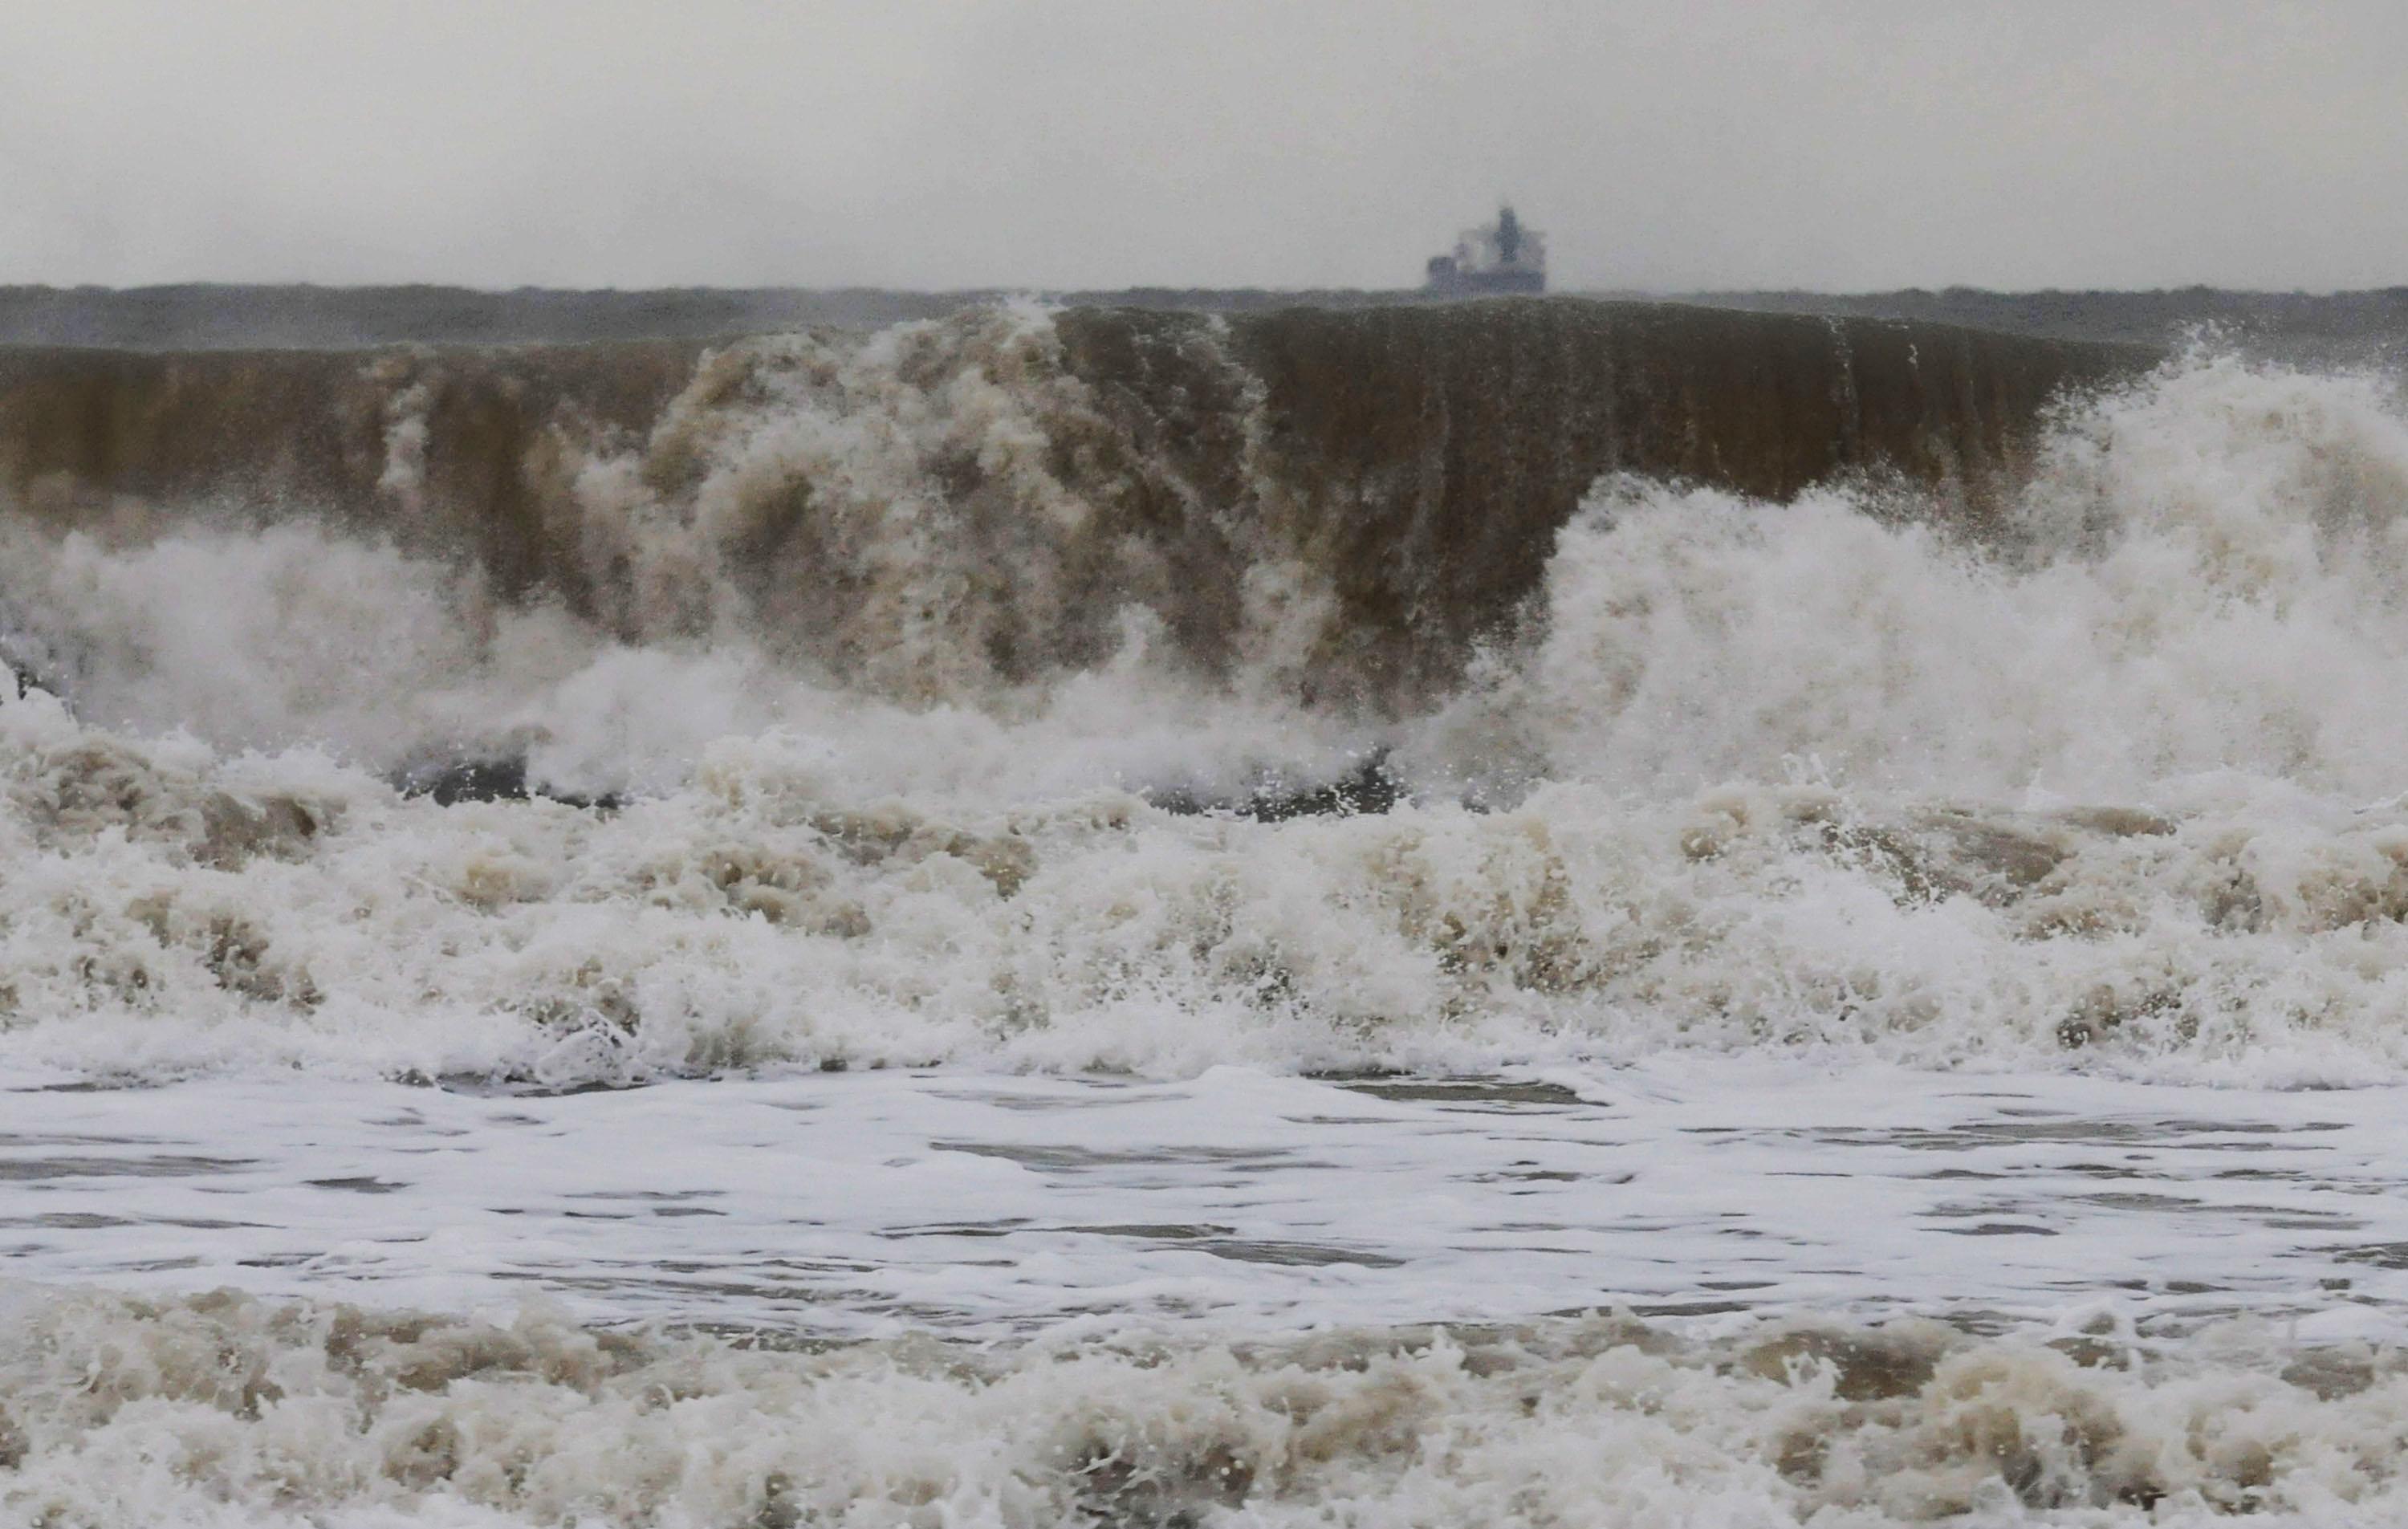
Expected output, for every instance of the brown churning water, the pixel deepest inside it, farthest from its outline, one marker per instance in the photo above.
(1413, 463)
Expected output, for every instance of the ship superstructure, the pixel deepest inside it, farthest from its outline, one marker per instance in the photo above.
(1500, 257)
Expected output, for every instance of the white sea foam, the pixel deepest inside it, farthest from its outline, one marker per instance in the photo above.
(220, 1410)
(2207, 576)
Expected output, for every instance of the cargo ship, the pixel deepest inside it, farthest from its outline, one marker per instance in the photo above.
(1502, 258)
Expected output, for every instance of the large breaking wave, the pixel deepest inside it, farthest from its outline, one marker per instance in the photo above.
(1725, 681)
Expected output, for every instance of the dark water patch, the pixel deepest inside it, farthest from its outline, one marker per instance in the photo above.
(2382, 1255)
(490, 779)
(1080, 1159)
(1293, 1254)
(1999, 1229)
(2319, 329)
(203, 315)
(2139, 1202)
(87, 1220)
(1158, 1231)
(1003, 1228)
(21, 680)
(1521, 1175)
(1486, 1093)
(517, 1086)
(1688, 1308)
(650, 1196)
(192, 315)
(1367, 788)
(2188, 1135)
(39, 1169)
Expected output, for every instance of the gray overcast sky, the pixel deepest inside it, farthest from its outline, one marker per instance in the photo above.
(1846, 146)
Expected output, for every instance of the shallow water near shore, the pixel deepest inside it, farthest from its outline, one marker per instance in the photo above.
(1736, 1290)
(983, 1205)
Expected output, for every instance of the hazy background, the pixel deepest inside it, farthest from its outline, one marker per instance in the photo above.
(1662, 146)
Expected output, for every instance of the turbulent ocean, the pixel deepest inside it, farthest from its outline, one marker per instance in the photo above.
(1551, 913)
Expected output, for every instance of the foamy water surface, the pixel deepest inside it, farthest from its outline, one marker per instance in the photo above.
(1833, 1020)
(1239, 1202)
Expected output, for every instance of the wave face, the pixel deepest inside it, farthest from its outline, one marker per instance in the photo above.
(940, 509)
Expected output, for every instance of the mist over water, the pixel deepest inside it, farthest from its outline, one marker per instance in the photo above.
(1056, 693)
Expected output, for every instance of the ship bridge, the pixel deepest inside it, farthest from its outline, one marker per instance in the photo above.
(1499, 258)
